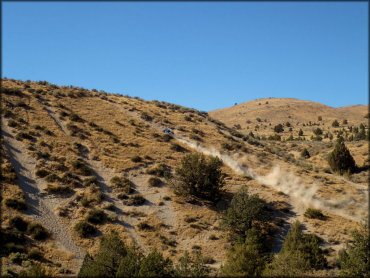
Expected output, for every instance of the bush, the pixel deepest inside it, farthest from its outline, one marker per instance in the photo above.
(314, 214)
(96, 216)
(355, 258)
(18, 223)
(112, 250)
(341, 160)
(136, 199)
(136, 159)
(154, 265)
(122, 183)
(317, 131)
(85, 229)
(162, 170)
(305, 153)
(58, 189)
(16, 204)
(300, 252)
(80, 166)
(37, 231)
(177, 148)
(144, 226)
(41, 173)
(22, 135)
(245, 259)
(89, 181)
(335, 123)
(199, 176)
(278, 128)
(154, 181)
(244, 212)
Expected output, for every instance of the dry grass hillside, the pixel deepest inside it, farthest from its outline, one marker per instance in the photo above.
(261, 115)
(79, 163)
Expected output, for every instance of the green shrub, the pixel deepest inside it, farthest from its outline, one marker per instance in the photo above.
(300, 253)
(16, 204)
(192, 267)
(335, 123)
(96, 216)
(317, 131)
(305, 153)
(12, 123)
(23, 135)
(354, 260)
(135, 200)
(130, 264)
(177, 148)
(122, 183)
(41, 173)
(314, 214)
(18, 223)
(80, 166)
(278, 128)
(154, 181)
(162, 170)
(111, 252)
(199, 176)
(154, 265)
(84, 229)
(244, 212)
(75, 118)
(136, 159)
(341, 160)
(52, 177)
(245, 259)
(37, 231)
(144, 226)
(90, 180)
(58, 189)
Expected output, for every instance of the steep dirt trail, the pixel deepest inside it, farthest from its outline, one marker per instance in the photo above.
(153, 195)
(41, 207)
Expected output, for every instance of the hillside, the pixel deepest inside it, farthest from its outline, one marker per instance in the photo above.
(301, 114)
(68, 152)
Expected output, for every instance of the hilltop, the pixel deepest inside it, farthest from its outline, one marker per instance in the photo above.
(73, 156)
(272, 111)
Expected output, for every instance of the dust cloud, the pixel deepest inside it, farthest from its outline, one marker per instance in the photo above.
(291, 185)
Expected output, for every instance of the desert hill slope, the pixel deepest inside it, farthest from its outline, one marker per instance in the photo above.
(75, 158)
(281, 110)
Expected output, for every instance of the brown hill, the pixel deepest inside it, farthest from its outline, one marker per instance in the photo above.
(65, 148)
(273, 111)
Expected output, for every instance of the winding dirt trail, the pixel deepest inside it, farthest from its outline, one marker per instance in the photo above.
(41, 207)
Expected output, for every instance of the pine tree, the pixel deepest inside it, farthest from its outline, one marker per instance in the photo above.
(341, 160)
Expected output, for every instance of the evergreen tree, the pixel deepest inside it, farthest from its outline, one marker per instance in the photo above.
(244, 211)
(245, 259)
(199, 176)
(154, 265)
(355, 258)
(341, 160)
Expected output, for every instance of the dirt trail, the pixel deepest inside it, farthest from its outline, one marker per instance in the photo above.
(152, 195)
(41, 207)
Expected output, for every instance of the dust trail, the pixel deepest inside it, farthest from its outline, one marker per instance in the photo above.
(291, 185)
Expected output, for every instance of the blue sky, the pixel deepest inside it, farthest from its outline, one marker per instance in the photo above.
(205, 55)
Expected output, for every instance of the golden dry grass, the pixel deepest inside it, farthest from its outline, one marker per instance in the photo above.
(113, 135)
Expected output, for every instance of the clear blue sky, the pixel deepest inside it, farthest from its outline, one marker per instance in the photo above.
(205, 55)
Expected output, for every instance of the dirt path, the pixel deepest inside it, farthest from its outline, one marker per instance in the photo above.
(41, 207)
(152, 195)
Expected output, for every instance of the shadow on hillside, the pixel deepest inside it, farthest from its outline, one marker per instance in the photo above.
(283, 228)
